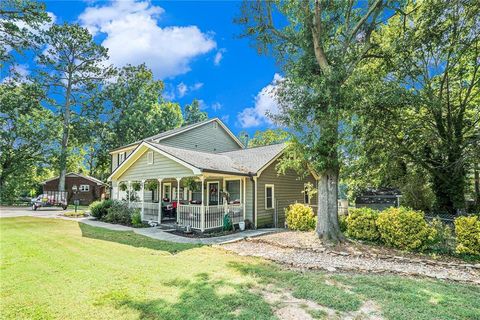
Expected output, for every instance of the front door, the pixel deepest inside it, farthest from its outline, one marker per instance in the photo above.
(213, 193)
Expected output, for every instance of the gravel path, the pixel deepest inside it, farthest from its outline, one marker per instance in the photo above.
(286, 248)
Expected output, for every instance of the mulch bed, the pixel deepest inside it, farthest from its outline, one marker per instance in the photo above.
(305, 250)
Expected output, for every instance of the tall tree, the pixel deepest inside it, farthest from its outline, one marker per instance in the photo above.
(269, 136)
(26, 136)
(19, 20)
(133, 109)
(72, 69)
(193, 114)
(424, 95)
(320, 45)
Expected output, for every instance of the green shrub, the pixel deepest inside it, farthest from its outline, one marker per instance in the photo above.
(467, 231)
(443, 239)
(361, 224)
(300, 217)
(119, 213)
(405, 229)
(98, 209)
(342, 222)
(137, 219)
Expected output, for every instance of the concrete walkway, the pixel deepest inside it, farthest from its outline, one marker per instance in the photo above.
(159, 234)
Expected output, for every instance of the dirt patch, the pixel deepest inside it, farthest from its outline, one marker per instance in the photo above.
(303, 250)
(287, 307)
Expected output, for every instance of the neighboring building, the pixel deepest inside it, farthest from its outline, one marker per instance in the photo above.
(378, 199)
(86, 189)
(199, 165)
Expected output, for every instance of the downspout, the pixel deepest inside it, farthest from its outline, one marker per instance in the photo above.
(254, 213)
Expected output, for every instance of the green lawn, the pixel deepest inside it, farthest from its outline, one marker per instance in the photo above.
(52, 268)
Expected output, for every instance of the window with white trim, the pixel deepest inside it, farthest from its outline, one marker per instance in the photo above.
(121, 157)
(84, 188)
(306, 196)
(150, 157)
(269, 196)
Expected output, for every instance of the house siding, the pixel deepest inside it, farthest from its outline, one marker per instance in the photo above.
(85, 197)
(287, 190)
(206, 138)
(161, 167)
(249, 200)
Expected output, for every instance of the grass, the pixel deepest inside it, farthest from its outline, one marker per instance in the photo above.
(79, 207)
(73, 214)
(133, 239)
(57, 269)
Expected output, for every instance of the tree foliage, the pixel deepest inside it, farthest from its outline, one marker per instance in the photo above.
(27, 132)
(268, 137)
(320, 45)
(193, 114)
(72, 68)
(422, 101)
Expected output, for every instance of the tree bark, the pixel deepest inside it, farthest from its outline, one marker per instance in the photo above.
(476, 176)
(327, 215)
(65, 135)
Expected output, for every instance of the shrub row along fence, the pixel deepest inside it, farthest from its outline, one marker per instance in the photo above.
(400, 228)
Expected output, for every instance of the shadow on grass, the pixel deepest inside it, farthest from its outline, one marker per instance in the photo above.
(132, 239)
(200, 298)
(398, 297)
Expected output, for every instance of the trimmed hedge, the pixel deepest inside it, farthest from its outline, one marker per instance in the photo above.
(405, 229)
(467, 231)
(119, 213)
(362, 224)
(300, 217)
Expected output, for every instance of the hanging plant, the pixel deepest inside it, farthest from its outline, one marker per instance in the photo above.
(190, 183)
(151, 185)
(123, 186)
(136, 186)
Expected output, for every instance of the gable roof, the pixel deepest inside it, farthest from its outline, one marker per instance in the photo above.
(245, 162)
(98, 182)
(173, 132)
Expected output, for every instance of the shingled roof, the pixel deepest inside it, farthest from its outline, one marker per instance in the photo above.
(244, 161)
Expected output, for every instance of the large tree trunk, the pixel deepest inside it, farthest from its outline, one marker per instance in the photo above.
(476, 176)
(449, 188)
(65, 135)
(327, 221)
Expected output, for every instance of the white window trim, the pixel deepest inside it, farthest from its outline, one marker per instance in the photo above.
(149, 157)
(84, 185)
(163, 190)
(208, 191)
(305, 194)
(273, 196)
(234, 179)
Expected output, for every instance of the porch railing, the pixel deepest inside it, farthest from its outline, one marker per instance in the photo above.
(192, 215)
(150, 209)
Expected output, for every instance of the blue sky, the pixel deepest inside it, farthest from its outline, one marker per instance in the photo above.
(192, 45)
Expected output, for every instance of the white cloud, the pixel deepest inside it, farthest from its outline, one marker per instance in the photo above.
(217, 106)
(17, 73)
(218, 57)
(265, 105)
(225, 118)
(133, 37)
(183, 89)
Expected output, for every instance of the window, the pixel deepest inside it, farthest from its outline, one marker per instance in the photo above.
(84, 187)
(167, 191)
(175, 194)
(269, 196)
(306, 196)
(150, 157)
(233, 188)
(121, 157)
(197, 193)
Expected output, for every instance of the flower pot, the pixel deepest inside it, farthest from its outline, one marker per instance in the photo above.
(241, 225)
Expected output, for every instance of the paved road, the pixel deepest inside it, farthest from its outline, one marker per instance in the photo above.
(8, 212)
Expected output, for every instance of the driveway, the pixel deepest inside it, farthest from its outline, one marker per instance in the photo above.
(9, 212)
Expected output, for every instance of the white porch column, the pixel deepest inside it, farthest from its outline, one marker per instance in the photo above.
(244, 194)
(129, 191)
(143, 197)
(202, 208)
(159, 189)
(178, 198)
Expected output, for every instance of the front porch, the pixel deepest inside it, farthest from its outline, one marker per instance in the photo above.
(198, 202)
